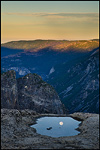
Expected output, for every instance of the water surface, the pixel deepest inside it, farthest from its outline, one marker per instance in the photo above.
(56, 126)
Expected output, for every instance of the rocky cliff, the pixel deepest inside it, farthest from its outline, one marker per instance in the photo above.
(9, 94)
(29, 92)
(78, 85)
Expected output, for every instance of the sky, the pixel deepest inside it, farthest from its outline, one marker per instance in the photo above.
(58, 20)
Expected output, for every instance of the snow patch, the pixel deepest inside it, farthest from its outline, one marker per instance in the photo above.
(67, 90)
(88, 68)
(51, 70)
(25, 87)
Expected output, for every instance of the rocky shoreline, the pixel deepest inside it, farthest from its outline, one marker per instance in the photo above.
(16, 132)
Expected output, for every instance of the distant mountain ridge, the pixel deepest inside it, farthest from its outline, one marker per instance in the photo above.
(57, 45)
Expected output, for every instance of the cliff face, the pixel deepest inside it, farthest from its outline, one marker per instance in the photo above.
(34, 93)
(29, 92)
(9, 94)
(78, 86)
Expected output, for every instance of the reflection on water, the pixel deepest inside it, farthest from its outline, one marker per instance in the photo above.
(56, 126)
(61, 123)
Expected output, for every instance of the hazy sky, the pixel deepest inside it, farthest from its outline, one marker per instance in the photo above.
(29, 20)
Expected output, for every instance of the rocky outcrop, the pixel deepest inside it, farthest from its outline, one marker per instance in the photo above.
(9, 94)
(16, 132)
(34, 93)
(29, 92)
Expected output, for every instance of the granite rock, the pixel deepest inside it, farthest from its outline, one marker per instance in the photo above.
(9, 93)
(16, 132)
(29, 92)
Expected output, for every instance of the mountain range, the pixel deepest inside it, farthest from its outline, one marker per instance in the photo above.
(71, 67)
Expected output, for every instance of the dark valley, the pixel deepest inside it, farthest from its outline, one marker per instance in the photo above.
(71, 67)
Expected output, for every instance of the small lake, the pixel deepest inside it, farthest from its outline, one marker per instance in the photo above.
(56, 126)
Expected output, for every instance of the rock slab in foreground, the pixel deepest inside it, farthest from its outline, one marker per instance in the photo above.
(16, 132)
